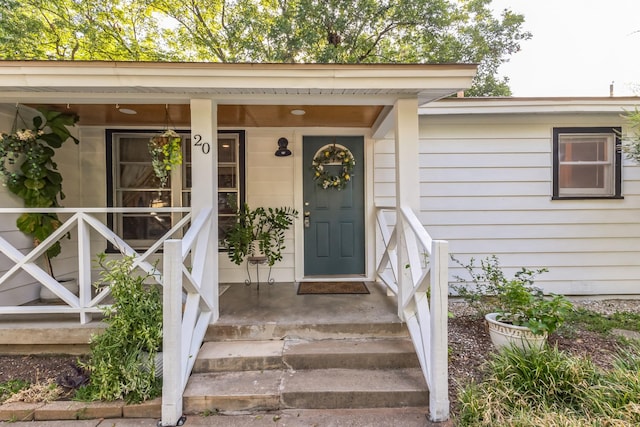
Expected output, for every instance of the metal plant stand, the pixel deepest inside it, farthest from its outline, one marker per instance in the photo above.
(257, 261)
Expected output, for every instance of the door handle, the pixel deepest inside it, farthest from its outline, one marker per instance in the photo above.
(307, 219)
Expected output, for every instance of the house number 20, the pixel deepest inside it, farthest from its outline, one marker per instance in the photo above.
(204, 146)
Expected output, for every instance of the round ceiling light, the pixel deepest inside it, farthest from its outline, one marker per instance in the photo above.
(127, 111)
(298, 112)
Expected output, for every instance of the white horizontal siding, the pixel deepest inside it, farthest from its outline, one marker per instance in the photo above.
(538, 231)
(486, 186)
(509, 208)
(557, 218)
(270, 181)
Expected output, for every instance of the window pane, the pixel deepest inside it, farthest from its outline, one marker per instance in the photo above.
(187, 180)
(224, 224)
(137, 176)
(148, 227)
(134, 149)
(226, 150)
(227, 177)
(584, 149)
(144, 199)
(227, 203)
(583, 176)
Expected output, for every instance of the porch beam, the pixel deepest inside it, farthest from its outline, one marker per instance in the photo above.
(204, 193)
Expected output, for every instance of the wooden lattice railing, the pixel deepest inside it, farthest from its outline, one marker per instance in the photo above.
(414, 267)
(86, 225)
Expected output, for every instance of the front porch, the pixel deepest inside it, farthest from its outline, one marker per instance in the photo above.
(274, 350)
(419, 289)
(273, 313)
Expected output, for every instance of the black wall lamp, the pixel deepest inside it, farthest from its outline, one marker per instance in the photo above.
(282, 150)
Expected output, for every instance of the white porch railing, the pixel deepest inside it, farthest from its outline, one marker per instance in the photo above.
(187, 312)
(415, 268)
(82, 222)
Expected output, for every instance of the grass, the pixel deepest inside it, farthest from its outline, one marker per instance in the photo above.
(595, 322)
(548, 387)
(38, 392)
(11, 387)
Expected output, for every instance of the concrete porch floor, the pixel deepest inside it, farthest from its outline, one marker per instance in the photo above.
(277, 311)
(270, 313)
(242, 304)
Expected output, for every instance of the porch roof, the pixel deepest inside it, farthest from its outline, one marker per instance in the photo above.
(264, 86)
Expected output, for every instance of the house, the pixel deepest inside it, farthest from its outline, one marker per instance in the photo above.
(539, 182)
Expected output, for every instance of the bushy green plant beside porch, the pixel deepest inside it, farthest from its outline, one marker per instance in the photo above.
(122, 359)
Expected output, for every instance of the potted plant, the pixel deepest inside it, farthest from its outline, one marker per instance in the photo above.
(28, 170)
(258, 232)
(166, 153)
(516, 312)
(123, 362)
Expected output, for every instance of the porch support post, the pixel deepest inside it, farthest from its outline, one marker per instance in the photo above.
(439, 385)
(172, 383)
(204, 188)
(407, 181)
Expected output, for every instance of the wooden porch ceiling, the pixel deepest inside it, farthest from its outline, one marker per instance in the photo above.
(228, 115)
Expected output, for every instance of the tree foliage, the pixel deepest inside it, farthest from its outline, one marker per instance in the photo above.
(631, 143)
(323, 31)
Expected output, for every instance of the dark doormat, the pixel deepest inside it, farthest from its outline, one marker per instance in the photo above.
(310, 288)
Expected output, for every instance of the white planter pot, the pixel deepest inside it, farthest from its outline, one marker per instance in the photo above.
(48, 296)
(255, 249)
(505, 334)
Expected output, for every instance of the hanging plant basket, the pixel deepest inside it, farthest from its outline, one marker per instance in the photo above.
(166, 153)
(333, 155)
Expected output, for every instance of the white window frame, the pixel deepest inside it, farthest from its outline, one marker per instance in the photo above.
(179, 191)
(610, 179)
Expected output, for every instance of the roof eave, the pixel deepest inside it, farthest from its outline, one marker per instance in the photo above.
(229, 82)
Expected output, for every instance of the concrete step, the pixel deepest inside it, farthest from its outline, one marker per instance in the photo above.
(393, 353)
(319, 389)
(354, 388)
(222, 331)
(295, 354)
(369, 417)
(232, 391)
(239, 356)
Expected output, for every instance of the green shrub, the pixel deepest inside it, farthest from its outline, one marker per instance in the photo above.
(515, 300)
(121, 363)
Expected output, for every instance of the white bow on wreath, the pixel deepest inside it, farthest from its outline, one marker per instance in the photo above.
(333, 155)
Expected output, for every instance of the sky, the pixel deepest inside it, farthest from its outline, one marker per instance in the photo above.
(578, 48)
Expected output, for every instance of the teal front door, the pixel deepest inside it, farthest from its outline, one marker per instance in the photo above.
(333, 218)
